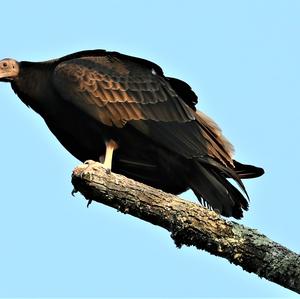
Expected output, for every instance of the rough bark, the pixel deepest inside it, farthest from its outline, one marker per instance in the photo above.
(191, 224)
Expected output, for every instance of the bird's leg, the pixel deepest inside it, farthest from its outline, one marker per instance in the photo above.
(110, 147)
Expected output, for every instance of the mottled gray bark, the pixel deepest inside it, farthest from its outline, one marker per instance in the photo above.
(191, 224)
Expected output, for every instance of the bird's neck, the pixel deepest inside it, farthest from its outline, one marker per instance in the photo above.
(31, 84)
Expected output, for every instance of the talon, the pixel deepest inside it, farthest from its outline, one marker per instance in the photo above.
(89, 166)
(108, 170)
(89, 202)
(88, 162)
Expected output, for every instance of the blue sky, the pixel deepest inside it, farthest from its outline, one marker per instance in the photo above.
(240, 57)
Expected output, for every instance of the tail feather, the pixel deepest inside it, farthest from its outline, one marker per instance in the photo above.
(245, 171)
(210, 185)
(225, 171)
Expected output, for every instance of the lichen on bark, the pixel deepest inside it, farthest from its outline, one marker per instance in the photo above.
(191, 224)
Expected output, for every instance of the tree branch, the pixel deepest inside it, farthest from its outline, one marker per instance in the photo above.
(191, 224)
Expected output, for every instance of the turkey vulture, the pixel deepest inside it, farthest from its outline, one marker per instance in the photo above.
(123, 111)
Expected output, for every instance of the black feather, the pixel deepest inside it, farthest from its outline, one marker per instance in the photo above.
(90, 97)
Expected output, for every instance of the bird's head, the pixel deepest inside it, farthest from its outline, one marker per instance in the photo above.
(9, 69)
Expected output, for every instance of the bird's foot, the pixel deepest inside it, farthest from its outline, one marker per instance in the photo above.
(107, 170)
(90, 164)
(105, 164)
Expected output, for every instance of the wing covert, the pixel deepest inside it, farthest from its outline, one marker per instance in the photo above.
(116, 92)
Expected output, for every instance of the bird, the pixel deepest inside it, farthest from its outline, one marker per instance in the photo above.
(124, 112)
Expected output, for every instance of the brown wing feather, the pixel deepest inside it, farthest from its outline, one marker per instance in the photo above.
(217, 145)
(115, 93)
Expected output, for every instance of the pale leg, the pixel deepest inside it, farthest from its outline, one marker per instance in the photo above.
(110, 147)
